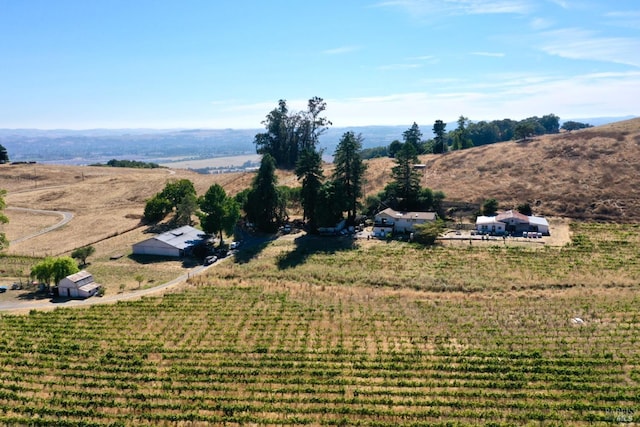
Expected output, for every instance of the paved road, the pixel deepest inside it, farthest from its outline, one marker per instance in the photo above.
(66, 217)
(18, 306)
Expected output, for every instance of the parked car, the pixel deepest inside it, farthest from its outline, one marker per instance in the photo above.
(3, 289)
(234, 245)
(210, 260)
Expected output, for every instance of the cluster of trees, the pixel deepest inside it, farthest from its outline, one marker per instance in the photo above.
(177, 196)
(405, 192)
(53, 270)
(470, 134)
(217, 211)
(490, 208)
(114, 163)
(571, 125)
(289, 134)
(291, 142)
(324, 200)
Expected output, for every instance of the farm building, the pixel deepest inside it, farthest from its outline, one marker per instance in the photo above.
(513, 223)
(489, 225)
(174, 243)
(78, 285)
(390, 220)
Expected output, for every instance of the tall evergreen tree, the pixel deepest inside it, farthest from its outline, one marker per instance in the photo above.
(349, 171)
(309, 170)
(413, 136)
(330, 204)
(264, 203)
(439, 145)
(461, 139)
(406, 180)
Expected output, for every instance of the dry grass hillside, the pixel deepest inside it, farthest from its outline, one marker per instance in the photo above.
(104, 201)
(592, 174)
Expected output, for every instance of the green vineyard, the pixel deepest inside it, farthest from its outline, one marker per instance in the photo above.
(386, 335)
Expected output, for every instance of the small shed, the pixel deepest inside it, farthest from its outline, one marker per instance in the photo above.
(78, 285)
(173, 243)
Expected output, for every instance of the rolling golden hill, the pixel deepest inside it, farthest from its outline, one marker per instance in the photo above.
(591, 174)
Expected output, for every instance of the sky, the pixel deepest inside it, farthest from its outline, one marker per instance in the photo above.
(85, 64)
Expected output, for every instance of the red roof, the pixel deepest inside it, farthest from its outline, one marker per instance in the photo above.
(512, 214)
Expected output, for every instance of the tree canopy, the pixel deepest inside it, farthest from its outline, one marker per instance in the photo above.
(572, 125)
(413, 136)
(4, 155)
(349, 171)
(83, 253)
(179, 195)
(439, 144)
(53, 270)
(405, 187)
(265, 205)
(289, 134)
(219, 212)
(309, 170)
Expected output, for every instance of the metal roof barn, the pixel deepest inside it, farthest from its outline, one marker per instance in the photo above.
(173, 243)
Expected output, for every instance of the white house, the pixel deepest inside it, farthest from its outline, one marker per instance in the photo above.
(512, 222)
(489, 225)
(78, 285)
(174, 243)
(390, 220)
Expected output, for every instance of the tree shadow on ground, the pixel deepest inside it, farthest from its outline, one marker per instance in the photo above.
(34, 295)
(187, 262)
(247, 252)
(308, 244)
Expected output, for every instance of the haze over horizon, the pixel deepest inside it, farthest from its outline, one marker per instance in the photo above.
(72, 64)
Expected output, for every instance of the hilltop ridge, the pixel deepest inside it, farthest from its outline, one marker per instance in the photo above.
(591, 174)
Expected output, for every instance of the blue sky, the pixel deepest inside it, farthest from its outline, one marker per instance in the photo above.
(83, 64)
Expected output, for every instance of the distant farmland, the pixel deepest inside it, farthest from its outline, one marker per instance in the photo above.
(214, 162)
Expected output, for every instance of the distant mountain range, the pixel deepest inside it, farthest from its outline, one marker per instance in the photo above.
(164, 145)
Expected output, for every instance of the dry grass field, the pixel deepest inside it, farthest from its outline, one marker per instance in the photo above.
(312, 331)
(321, 331)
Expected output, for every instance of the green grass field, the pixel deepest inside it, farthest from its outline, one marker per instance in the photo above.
(332, 332)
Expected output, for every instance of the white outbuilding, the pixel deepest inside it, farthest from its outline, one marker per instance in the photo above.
(512, 222)
(78, 285)
(174, 243)
(489, 225)
(390, 220)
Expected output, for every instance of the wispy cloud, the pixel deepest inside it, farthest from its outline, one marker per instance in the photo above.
(340, 50)
(422, 58)
(515, 96)
(575, 43)
(489, 54)
(540, 24)
(460, 7)
(399, 67)
(562, 3)
(627, 18)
